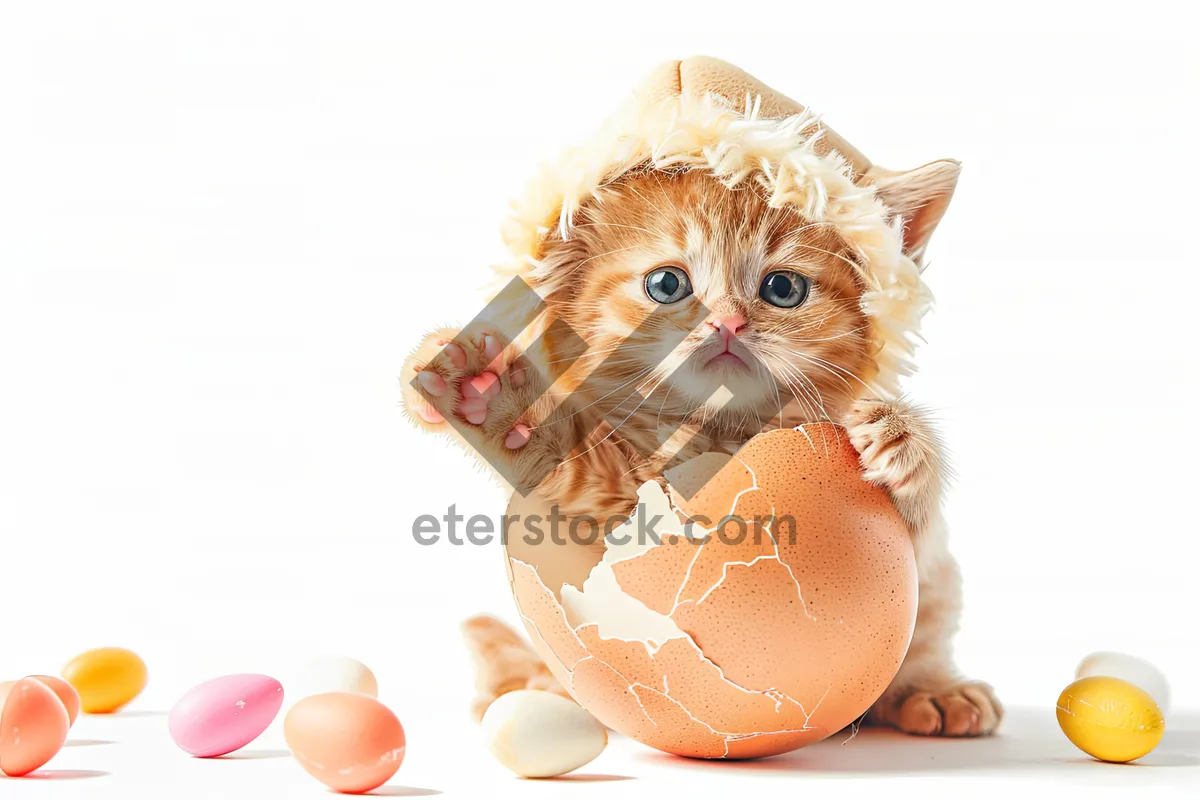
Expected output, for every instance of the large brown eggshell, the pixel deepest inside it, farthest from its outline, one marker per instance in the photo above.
(792, 630)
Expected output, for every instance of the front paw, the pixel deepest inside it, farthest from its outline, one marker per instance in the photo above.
(896, 449)
(476, 385)
(969, 708)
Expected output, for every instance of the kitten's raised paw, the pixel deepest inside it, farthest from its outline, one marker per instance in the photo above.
(430, 380)
(471, 378)
(963, 709)
(894, 446)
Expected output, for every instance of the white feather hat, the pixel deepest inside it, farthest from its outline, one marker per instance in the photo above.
(703, 113)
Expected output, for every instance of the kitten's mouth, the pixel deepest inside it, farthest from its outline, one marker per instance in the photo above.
(727, 359)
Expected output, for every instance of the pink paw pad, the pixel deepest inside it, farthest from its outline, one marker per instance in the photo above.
(485, 385)
(492, 348)
(429, 413)
(518, 437)
(457, 357)
(476, 393)
(432, 383)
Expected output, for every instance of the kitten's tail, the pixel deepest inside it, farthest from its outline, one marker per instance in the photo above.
(503, 662)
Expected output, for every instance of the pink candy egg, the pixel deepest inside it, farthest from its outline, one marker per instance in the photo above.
(224, 714)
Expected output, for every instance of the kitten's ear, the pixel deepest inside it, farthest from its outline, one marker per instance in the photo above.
(920, 196)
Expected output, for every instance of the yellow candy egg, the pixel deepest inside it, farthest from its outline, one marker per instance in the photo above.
(106, 679)
(1110, 719)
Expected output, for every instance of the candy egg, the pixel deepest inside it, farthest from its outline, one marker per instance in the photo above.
(33, 727)
(1142, 674)
(65, 691)
(1110, 719)
(106, 679)
(66, 694)
(349, 742)
(335, 674)
(5, 686)
(540, 735)
(224, 714)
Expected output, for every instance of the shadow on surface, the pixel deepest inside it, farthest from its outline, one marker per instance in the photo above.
(59, 775)
(87, 742)
(399, 791)
(583, 777)
(1029, 742)
(252, 755)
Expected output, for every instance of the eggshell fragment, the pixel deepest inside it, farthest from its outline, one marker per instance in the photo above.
(350, 742)
(106, 678)
(1110, 719)
(66, 693)
(539, 735)
(224, 714)
(33, 727)
(335, 674)
(1141, 673)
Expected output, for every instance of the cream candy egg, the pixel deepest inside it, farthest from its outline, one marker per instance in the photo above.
(224, 714)
(1142, 674)
(334, 674)
(539, 735)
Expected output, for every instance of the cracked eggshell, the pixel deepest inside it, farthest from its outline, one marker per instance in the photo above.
(776, 619)
(224, 714)
(539, 735)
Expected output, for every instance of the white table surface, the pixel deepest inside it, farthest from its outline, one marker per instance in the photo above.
(130, 755)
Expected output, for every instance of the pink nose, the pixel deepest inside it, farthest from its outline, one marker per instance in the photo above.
(729, 326)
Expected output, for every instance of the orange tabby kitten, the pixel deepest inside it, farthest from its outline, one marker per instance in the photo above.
(767, 305)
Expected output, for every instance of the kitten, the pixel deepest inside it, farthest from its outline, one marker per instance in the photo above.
(768, 305)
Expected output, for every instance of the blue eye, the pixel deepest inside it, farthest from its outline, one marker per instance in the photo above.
(668, 285)
(784, 289)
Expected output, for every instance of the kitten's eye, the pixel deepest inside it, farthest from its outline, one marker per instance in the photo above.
(784, 289)
(668, 285)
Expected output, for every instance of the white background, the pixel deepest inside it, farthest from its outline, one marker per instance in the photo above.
(224, 225)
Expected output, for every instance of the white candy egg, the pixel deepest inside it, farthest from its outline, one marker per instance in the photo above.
(540, 735)
(334, 674)
(1141, 673)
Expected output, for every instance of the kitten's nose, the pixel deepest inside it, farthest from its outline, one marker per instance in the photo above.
(729, 325)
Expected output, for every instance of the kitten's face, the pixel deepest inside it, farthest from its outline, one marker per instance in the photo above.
(767, 305)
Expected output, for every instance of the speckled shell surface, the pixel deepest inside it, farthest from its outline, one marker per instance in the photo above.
(795, 613)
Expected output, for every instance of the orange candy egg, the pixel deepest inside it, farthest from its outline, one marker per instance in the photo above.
(66, 693)
(33, 727)
(106, 679)
(349, 742)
